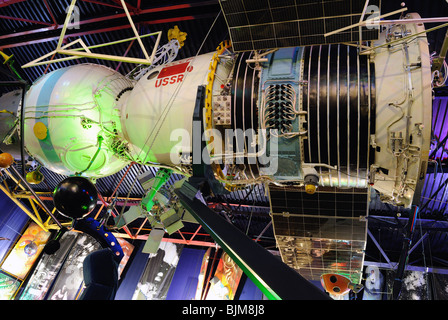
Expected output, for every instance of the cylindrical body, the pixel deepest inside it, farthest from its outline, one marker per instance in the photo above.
(157, 117)
(351, 119)
(72, 120)
(358, 120)
(339, 97)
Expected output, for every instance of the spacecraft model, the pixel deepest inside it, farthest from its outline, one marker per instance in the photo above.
(320, 115)
(315, 117)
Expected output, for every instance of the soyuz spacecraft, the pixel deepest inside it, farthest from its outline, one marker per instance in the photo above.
(345, 119)
(319, 120)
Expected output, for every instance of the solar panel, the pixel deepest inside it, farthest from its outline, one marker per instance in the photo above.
(321, 233)
(266, 24)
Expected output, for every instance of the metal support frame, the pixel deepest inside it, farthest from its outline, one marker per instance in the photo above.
(366, 22)
(408, 267)
(25, 20)
(403, 264)
(379, 248)
(187, 238)
(49, 225)
(41, 203)
(102, 202)
(75, 53)
(24, 208)
(437, 63)
(274, 278)
(378, 21)
(140, 12)
(404, 253)
(422, 238)
(404, 39)
(441, 144)
(432, 197)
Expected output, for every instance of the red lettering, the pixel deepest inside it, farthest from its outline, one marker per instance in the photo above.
(169, 80)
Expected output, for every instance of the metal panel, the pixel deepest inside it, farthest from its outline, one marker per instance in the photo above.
(265, 24)
(321, 233)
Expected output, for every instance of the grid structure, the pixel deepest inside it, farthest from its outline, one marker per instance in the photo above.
(321, 233)
(266, 24)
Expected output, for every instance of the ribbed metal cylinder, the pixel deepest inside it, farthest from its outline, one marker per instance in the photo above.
(244, 116)
(339, 95)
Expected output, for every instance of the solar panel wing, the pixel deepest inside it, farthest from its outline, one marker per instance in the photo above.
(321, 233)
(266, 24)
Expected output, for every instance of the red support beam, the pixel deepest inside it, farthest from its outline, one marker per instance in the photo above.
(103, 4)
(122, 178)
(55, 23)
(189, 243)
(125, 54)
(130, 7)
(5, 3)
(26, 20)
(78, 34)
(48, 65)
(125, 228)
(123, 15)
(182, 236)
(170, 20)
(194, 235)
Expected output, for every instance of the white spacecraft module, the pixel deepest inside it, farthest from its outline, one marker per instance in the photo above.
(157, 115)
(353, 120)
(71, 120)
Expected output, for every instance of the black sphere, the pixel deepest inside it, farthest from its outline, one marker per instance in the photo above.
(75, 197)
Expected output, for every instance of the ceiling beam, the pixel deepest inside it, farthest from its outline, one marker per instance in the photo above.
(383, 265)
(55, 23)
(130, 7)
(25, 20)
(104, 4)
(171, 8)
(95, 31)
(5, 3)
(383, 253)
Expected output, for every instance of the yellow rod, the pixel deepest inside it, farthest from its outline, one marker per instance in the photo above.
(25, 209)
(66, 22)
(139, 40)
(363, 23)
(36, 213)
(104, 57)
(27, 195)
(15, 180)
(402, 40)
